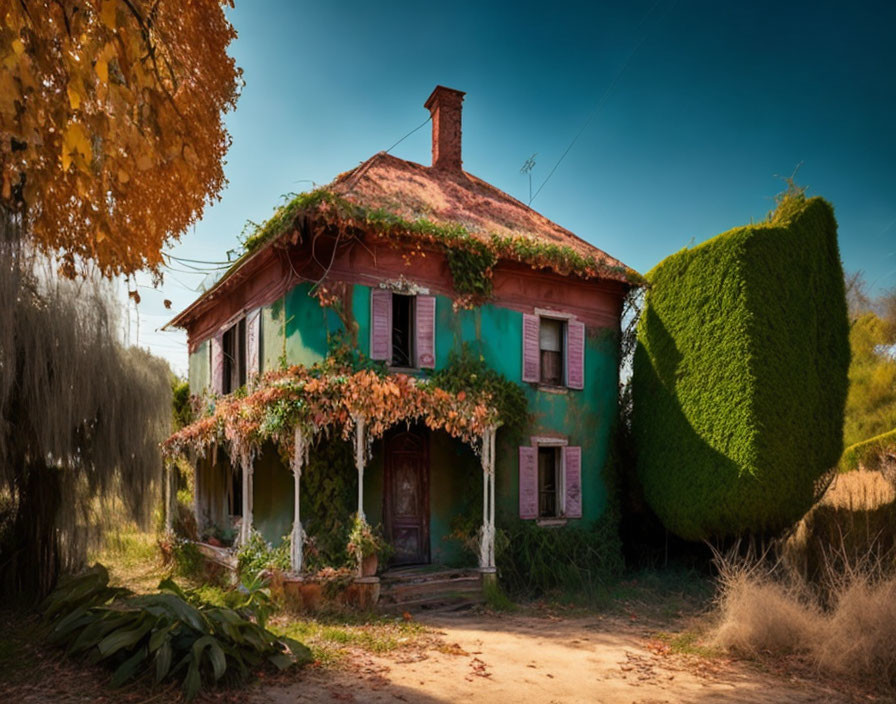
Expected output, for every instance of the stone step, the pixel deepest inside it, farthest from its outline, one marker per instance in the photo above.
(441, 601)
(416, 574)
(407, 590)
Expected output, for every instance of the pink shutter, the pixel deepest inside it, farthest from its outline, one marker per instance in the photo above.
(572, 468)
(425, 331)
(575, 354)
(217, 363)
(531, 366)
(380, 324)
(253, 342)
(528, 482)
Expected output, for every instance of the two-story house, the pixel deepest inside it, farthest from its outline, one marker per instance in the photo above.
(408, 263)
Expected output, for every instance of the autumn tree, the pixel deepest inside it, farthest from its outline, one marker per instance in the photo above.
(111, 123)
(871, 404)
(111, 144)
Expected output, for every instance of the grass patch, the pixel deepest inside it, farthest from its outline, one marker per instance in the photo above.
(687, 643)
(133, 559)
(333, 637)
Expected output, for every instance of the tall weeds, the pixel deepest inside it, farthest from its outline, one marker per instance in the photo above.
(840, 616)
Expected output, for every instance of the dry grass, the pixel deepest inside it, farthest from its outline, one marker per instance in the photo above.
(831, 598)
(861, 490)
(763, 614)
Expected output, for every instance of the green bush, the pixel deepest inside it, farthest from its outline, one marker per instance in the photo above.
(257, 555)
(869, 453)
(740, 375)
(162, 633)
(534, 561)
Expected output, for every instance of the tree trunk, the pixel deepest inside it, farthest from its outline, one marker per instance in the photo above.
(30, 568)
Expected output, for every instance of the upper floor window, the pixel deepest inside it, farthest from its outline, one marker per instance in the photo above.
(402, 329)
(234, 344)
(235, 354)
(553, 350)
(550, 345)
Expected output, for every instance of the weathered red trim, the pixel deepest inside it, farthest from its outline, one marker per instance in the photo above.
(268, 276)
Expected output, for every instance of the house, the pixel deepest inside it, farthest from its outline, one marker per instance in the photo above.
(406, 265)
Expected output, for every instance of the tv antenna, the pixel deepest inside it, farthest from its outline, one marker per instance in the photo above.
(527, 169)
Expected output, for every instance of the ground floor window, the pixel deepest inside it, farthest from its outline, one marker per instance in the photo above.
(548, 482)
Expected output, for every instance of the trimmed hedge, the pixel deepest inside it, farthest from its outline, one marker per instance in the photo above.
(868, 452)
(740, 376)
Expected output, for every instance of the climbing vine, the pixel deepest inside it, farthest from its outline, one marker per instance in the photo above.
(471, 256)
(330, 397)
(467, 372)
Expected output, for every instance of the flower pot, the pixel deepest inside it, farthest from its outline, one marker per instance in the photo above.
(369, 565)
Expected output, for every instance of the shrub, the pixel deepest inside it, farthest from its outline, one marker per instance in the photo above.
(533, 561)
(871, 453)
(162, 633)
(740, 376)
(257, 555)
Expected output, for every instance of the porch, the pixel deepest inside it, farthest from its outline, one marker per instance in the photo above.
(412, 481)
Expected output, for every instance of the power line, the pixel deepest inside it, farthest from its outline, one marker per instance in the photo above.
(191, 261)
(422, 124)
(606, 94)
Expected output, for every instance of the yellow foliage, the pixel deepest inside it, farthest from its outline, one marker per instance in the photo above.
(91, 90)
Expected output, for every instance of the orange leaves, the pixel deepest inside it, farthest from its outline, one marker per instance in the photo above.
(76, 148)
(320, 400)
(88, 97)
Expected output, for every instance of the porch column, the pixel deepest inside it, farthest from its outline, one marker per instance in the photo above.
(247, 469)
(299, 458)
(167, 497)
(197, 505)
(487, 532)
(360, 457)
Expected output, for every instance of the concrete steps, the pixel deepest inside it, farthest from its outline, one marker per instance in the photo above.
(429, 588)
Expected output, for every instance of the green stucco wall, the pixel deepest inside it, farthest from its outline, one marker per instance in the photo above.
(299, 326)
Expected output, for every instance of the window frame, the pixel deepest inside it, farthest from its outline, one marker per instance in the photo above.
(557, 444)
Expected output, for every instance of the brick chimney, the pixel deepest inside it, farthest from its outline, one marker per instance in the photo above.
(445, 105)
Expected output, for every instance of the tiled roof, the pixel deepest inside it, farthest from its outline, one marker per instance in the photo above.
(413, 192)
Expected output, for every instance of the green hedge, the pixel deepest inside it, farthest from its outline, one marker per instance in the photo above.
(868, 452)
(740, 376)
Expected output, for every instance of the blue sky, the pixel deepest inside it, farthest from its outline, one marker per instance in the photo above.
(700, 106)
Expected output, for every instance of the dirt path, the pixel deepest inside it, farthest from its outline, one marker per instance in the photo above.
(522, 659)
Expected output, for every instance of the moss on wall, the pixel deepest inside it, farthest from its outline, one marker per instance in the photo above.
(739, 378)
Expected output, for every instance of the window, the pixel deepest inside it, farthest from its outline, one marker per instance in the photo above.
(553, 349)
(548, 482)
(402, 330)
(551, 333)
(234, 345)
(550, 479)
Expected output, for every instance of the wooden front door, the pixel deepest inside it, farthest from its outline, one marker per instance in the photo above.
(406, 497)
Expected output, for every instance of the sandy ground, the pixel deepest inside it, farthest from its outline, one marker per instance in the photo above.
(522, 659)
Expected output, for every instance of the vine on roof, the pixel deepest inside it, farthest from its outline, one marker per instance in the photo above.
(471, 258)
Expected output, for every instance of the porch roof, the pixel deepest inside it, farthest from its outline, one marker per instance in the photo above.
(326, 398)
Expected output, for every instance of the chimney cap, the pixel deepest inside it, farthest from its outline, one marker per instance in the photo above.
(442, 91)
